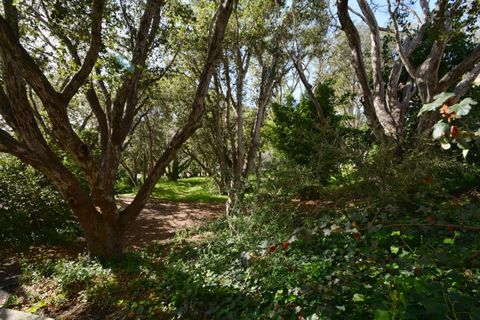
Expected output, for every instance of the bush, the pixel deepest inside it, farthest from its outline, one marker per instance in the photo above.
(70, 276)
(31, 208)
(297, 135)
(423, 175)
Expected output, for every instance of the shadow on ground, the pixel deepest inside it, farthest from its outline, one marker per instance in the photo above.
(161, 219)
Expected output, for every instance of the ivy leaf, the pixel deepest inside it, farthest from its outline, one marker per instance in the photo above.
(439, 129)
(463, 107)
(438, 101)
(394, 249)
(445, 145)
(357, 297)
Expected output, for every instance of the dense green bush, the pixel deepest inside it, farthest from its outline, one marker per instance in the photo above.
(31, 209)
(297, 135)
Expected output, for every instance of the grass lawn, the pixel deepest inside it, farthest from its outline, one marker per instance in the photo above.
(198, 189)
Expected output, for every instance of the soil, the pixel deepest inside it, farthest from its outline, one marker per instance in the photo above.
(158, 221)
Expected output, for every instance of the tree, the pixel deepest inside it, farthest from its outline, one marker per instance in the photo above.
(386, 98)
(102, 223)
(305, 27)
(252, 66)
(299, 137)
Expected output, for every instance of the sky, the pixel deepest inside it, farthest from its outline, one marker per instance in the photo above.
(381, 12)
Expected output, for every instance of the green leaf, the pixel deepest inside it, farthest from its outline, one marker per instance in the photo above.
(463, 107)
(438, 101)
(382, 315)
(439, 129)
(394, 249)
(357, 297)
(449, 241)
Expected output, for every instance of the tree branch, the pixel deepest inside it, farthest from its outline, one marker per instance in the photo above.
(404, 56)
(81, 76)
(26, 65)
(354, 43)
(463, 86)
(459, 70)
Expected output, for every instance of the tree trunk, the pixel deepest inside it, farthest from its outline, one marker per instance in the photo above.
(105, 239)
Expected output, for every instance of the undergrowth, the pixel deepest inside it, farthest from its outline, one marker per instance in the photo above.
(286, 261)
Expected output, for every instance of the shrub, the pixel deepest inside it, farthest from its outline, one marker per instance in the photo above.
(31, 209)
(297, 135)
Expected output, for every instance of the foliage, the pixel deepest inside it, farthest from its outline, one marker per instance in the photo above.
(287, 262)
(69, 275)
(190, 189)
(448, 130)
(31, 208)
(197, 189)
(330, 224)
(297, 135)
(421, 175)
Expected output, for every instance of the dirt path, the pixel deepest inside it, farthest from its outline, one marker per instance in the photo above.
(160, 219)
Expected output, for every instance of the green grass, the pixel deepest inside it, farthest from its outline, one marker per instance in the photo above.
(199, 189)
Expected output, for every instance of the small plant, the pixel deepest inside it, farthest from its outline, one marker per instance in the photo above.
(448, 130)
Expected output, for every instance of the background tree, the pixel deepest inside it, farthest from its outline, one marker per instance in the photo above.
(305, 25)
(251, 68)
(386, 99)
(299, 137)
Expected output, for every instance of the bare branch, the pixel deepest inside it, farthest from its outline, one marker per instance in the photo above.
(425, 9)
(463, 86)
(453, 75)
(354, 43)
(404, 56)
(358, 14)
